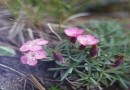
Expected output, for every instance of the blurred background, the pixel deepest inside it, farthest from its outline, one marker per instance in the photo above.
(31, 15)
(55, 10)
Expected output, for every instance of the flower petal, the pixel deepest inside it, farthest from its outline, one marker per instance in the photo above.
(87, 40)
(40, 54)
(73, 31)
(24, 59)
(27, 43)
(35, 48)
(42, 42)
(94, 42)
(24, 48)
(82, 40)
(32, 62)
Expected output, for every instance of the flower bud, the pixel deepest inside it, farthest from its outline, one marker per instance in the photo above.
(81, 47)
(73, 40)
(58, 57)
(93, 51)
(119, 61)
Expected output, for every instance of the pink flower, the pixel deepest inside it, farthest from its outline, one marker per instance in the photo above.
(33, 45)
(87, 40)
(73, 31)
(31, 57)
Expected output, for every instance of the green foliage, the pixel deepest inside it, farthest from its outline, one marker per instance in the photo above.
(54, 88)
(112, 34)
(97, 71)
(42, 9)
(6, 51)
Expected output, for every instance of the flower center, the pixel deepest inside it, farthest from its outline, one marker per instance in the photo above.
(32, 54)
(33, 43)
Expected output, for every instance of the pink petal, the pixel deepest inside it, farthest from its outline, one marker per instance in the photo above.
(73, 31)
(24, 59)
(24, 48)
(91, 40)
(87, 40)
(32, 62)
(94, 42)
(27, 43)
(35, 48)
(42, 42)
(40, 54)
(82, 40)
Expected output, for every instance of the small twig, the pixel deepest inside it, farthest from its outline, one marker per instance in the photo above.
(54, 31)
(24, 86)
(72, 83)
(76, 16)
(30, 33)
(4, 28)
(21, 36)
(40, 87)
(57, 25)
(51, 80)
(17, 27)
(74, 86)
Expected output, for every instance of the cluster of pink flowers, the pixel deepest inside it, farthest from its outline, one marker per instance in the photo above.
(76, 34)
(33, 51)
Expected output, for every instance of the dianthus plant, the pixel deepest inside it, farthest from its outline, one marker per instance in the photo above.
(82, 59)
